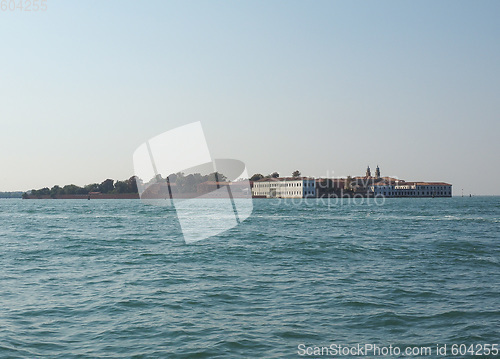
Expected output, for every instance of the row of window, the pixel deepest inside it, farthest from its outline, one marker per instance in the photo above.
(398, 188)
(418, 188)
(298, 192)
(417, 193)
(293, 192)
(287, 184)
(257, 193)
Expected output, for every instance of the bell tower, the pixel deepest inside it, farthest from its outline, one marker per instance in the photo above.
(377, 172)
(368, 172)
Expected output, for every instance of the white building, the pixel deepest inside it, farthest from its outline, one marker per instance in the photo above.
(411, 189)
(288, 187)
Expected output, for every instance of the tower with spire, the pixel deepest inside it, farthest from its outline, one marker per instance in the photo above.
(368, 172)
(377, 172)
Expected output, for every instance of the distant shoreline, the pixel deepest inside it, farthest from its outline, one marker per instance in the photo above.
(136, 196)
(11, 194)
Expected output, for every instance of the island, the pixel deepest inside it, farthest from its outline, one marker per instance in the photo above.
(270, 186)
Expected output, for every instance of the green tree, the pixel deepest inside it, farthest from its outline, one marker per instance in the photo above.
(55, 191)
(73, 189)
(132, 185)
(296, 174)
(45, 191)
(172, 178)
(256, 177)
(180, 179)
(106, 186)
(216, 176)
(198, 178)
(121, 187)
(190, 184)
(93, 187)
(275, 175)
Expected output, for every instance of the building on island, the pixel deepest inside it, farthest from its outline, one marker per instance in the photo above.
(411, 189)
(377, 186)
(284, 187)
(364, 186)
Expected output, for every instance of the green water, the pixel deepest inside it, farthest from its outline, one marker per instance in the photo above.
(113, 278)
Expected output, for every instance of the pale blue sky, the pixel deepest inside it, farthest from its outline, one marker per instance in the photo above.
(319, 86)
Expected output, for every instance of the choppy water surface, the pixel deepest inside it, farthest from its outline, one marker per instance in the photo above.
(112, 278)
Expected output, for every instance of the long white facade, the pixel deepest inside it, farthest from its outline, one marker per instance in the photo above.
(412, 189)
(284, 188)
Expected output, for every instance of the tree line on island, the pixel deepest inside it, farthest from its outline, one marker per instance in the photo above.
(110, 186)
(258, 176)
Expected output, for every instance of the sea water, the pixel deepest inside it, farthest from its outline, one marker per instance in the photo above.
(114, 279)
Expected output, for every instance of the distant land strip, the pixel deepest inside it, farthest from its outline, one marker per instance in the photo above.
(16, 194)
